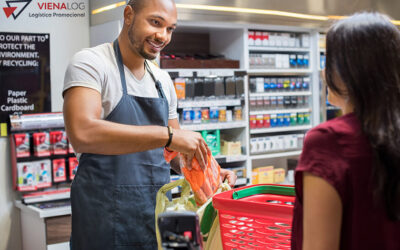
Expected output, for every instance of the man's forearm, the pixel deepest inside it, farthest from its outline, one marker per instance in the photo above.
(109, 138)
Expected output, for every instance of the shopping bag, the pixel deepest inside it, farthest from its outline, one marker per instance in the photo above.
(204, 183)
(186, 202)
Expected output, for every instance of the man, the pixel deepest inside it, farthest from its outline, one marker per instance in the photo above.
(120, 112)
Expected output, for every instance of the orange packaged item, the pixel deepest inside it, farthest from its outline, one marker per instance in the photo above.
(205, 183)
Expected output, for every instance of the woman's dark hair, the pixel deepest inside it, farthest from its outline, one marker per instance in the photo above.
(364, 51)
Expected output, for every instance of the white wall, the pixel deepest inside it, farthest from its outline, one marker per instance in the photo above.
(67, 36)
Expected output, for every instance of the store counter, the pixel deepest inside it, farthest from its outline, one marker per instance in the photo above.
(45, 227)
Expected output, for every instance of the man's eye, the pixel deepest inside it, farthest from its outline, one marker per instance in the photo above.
(155, 22)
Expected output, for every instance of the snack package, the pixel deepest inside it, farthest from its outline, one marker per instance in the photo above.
(26, 176)
(59, 144)
(22, 146)
(204, 183)
(41, 143)
(43, 173)
(59, 173)
(73, 167)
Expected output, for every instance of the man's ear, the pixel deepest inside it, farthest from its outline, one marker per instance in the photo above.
(128, 15)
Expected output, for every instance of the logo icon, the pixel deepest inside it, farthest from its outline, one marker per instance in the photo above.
(15, 7)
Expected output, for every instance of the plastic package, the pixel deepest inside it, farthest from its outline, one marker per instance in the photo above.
(204, 183)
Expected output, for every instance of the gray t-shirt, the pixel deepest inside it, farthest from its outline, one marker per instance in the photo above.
(96, 68)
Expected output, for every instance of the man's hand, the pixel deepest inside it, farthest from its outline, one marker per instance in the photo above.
(190, 144)
(229, 175)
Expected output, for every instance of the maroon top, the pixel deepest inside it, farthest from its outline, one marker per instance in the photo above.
(339, 152)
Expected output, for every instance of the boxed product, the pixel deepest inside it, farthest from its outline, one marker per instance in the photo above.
(239, 172)
(22, 145)
(180, 85)
(231, 147)
(59, 173)
(43, 173)
(59, 144)
(41, 144)
(279, 175)
(237, 113)
(212, 138)
(73, 167)
(265, 175)
(26, 176)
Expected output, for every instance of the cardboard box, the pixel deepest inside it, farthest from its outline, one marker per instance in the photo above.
(231, 147)
(279, 175)
(266, 175)
(263, 175)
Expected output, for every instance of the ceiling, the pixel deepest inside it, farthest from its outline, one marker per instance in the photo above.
(313, 7)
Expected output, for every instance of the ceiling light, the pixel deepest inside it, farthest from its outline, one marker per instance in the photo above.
(108, 7)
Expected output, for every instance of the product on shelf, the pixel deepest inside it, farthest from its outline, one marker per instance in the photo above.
(279, 61)
(43, 171)
(59, 144)
(197, 117)
(214, 114)
(222, 114)
(73, 167)
(205, 115)
(26, 176)
(209, 87)
(231, 147)
(239, 172)
(180, 86)
(230, 86)
(22, 145)
(237, 113)
(279, 175)
(212, 138)
(278, 39)
(263, 175)
(270, 144)
(59, 172)
(41, 144)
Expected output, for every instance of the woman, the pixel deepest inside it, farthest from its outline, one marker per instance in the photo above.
(348, 177)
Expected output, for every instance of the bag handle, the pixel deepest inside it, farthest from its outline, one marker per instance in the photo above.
(263, 189)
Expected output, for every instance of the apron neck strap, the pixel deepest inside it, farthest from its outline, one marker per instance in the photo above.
(120, 64)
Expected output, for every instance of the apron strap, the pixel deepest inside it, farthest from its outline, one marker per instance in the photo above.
(158, 84)
(120, 64)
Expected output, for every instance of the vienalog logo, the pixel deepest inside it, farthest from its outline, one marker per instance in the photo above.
(59, 9)
(61, 6)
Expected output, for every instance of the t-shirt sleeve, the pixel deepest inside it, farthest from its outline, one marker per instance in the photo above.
(321, 157)
(84, 71)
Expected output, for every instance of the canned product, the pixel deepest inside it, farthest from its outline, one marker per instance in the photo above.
(253, 121)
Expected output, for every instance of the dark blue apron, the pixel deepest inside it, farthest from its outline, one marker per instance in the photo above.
(113, 196)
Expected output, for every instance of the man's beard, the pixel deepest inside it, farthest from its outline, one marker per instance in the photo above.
(139, 47)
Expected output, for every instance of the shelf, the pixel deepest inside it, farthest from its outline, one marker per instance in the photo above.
(203, 72)
(275, 155)
(43, 196)
(208, 103)
(43, 213)
(279, 71)
(278, 111)
(277, 49)
(290, 93)
(213, 126)
(280, 129)
(230, 158)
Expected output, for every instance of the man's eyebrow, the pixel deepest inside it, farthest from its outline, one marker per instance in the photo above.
(162, 18)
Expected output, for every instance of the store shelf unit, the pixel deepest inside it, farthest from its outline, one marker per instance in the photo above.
(278, 55)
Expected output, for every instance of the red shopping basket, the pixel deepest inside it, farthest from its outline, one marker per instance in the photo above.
(256, 217)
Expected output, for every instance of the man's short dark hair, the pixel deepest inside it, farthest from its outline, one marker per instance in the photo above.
(137, 5)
